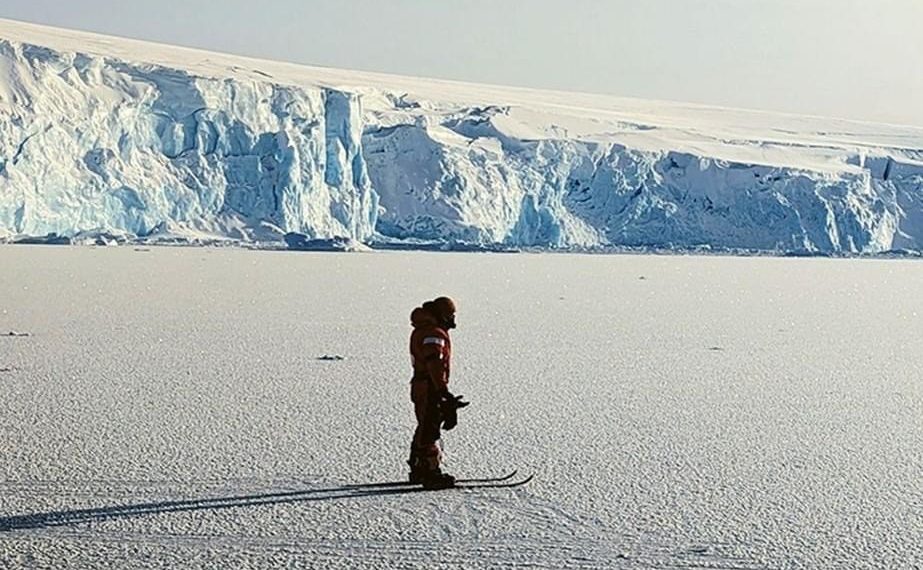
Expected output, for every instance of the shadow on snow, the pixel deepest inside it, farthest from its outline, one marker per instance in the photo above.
(62, 518)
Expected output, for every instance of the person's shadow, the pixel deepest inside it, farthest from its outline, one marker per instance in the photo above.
(61, 518)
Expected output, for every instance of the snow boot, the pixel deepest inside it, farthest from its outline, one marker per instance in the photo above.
(418, 472)
(424, 473)
(436, 479)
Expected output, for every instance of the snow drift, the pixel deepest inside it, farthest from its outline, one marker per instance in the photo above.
(115, 137)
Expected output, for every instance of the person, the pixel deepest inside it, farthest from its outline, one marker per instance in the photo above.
(431, 352)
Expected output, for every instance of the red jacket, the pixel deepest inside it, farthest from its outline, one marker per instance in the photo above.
(430, 349)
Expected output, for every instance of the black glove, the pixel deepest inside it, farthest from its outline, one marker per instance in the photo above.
(448, 410)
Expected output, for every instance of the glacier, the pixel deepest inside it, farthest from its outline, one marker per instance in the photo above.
(103, 136)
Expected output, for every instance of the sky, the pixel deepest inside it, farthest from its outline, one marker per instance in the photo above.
(859, 59)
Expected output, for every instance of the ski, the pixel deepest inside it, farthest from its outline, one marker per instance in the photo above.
(467, 481)
(492, 485)
(486, 480)
(464, 484)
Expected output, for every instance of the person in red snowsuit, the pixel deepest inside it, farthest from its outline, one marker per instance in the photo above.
(431, 351)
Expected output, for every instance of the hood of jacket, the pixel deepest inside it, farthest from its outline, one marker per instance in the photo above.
(421, 318)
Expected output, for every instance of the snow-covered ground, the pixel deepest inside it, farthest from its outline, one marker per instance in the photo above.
(103, 135)
(678, 412)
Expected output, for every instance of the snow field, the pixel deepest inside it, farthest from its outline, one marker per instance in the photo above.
(679, 411)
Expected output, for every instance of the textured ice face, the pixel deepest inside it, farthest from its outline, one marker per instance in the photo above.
(197, 145)
(566, 193)
(105, 145)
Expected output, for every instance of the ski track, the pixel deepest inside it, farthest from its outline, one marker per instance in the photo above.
(546, 536)
(255, 551)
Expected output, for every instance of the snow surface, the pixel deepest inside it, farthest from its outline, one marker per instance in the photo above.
(679, 412)
(102, 135)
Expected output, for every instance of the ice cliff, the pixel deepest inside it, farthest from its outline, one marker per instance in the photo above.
(110, 136)
(93, 144)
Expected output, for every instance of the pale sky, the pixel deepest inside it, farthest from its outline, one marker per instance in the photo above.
(860, 59)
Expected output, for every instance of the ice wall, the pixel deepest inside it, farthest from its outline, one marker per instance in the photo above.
(466, 180)
(88, 143)
(96, 144)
